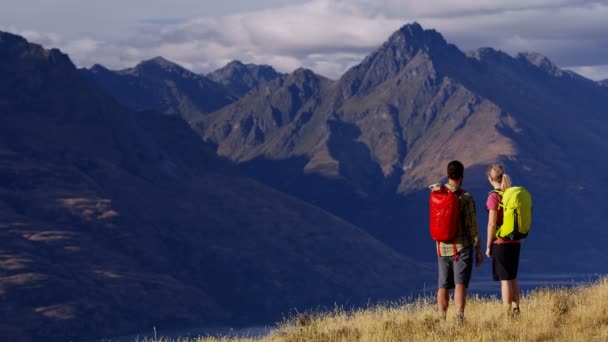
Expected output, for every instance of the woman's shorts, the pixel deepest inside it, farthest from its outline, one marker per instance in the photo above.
(505, 260)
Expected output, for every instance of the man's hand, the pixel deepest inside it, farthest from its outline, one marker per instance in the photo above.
(478, 257)
(489, 252)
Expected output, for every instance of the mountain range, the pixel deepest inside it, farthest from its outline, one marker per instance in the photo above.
(155, 194)
(364, 147)
(115, 220)
(163, 86)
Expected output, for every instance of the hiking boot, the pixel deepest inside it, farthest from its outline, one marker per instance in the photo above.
(515, 313)
(440, 317)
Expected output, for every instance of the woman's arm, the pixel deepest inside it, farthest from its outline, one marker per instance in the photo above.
(492, 216)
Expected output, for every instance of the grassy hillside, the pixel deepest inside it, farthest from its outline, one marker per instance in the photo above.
(551, 314)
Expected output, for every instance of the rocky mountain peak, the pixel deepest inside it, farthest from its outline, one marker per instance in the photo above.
(410, 39)
(9, 38)
(241, 78)
(540, 61)
(98, 68)
(15, 47)
(157, 64)
(236, 69)
(304, 73)
(390, 59)
(413, 37)
(235, 65)
(160, 61)
(488, 53)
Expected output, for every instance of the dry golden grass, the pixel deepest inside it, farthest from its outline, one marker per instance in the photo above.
(557, 314)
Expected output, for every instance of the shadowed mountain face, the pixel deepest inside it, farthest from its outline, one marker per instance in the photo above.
(603, 83)
(163, 86)
(241, 78)
(113, 222)
(370, 142)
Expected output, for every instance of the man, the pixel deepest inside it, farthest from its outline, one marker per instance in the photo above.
(455, 271)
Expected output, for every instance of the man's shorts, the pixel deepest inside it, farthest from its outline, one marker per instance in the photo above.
(505, 260)
(451, 273)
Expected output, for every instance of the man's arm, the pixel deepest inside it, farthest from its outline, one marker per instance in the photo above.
(474, 230)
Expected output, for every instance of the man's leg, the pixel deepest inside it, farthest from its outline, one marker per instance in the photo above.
(460, 297)
(462, 277)
(444, 284)
(443, 300)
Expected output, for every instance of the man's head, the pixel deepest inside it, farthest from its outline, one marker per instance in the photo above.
(455, 171)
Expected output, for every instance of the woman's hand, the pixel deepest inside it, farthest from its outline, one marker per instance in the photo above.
(489, 252)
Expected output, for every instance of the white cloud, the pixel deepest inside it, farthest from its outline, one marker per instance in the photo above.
(47, 39)
(462, 8)
(568, 35)
(594, 72)
(330, 36)
(82, 48)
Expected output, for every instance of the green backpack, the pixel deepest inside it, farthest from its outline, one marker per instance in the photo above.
(517, 218)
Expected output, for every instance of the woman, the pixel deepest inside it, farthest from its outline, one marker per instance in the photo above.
(504, 252)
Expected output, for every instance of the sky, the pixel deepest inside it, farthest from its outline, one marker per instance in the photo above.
(327, 36)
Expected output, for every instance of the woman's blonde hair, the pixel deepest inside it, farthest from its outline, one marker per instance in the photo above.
(496, 172)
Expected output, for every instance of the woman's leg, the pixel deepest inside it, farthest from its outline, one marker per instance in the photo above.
(505, 287)
(515, 293)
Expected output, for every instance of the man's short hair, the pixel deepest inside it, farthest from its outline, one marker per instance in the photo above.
(455, 170)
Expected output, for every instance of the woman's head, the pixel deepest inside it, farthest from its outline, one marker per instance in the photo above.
(497, 176)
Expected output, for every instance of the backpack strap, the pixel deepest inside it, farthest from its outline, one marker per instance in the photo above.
(458, 193)
(499, 193)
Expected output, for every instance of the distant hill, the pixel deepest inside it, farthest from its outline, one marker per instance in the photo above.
(163, 86)
(604, 83)
(113, 221)
(241, 78)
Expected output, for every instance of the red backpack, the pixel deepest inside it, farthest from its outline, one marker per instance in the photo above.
(444, 220)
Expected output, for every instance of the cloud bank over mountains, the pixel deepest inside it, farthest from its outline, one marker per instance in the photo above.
(329, 36)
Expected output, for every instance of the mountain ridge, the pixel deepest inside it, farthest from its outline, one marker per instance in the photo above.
(108, 215)
(162, 85)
